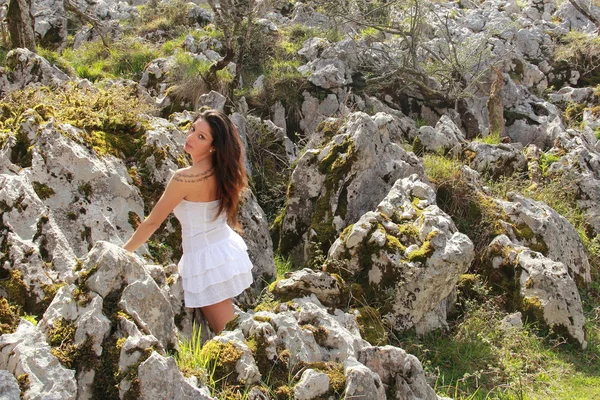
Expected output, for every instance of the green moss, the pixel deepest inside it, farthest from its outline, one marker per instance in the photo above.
(86, 190)
(42, 190)
(9, 317)
(371, 326)
(24, 382)
(222, 359)
(523, 231)
(421, 254)
(72, 216)
(532, 308)
(261, 318)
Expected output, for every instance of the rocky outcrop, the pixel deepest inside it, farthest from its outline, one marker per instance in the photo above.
(407, 256)
(328, 187)
(495, 160)
(25, 68)
(27, 356)
(543, 288)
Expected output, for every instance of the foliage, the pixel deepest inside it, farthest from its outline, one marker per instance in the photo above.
(126, 58)
(168, 16)
(481, 358)
(579, 51)
(109, 117)
(283, 265)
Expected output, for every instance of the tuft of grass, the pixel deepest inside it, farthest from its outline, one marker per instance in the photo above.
(284, 265)
(189, 358)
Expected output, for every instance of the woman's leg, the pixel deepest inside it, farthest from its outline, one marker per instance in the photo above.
(218, 315)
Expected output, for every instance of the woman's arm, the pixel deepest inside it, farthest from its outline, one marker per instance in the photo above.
(173, 194)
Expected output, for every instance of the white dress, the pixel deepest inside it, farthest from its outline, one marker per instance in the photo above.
(215, 264)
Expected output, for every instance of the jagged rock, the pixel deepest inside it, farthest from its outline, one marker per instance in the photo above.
(513, 320)
(25, 68)
(328, 189)
(334, 67)
(397, 368)
(540, 10)
(529, 118)
(26, 352)
(51, 211)
(214, 100)
(159, 378)
(537, 226)
(154, 79)
(315, 111)
(50, 23)
(573, 20)
(329, 290)
(313, 47)
(305, 15)
(580, 167)
(361, 382)
(255, 229)
(410, 253)
(545, 290)
(495, 160)
(571, 95)
(445, 137)
(245, 366)
(266, 133)
(200, 15)
(9, 387)
(312, 384)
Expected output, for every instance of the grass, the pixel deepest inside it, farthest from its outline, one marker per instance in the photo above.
(283, 265)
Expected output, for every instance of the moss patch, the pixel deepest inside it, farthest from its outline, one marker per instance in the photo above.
(221, 359)
(42, 190)
(371, 326)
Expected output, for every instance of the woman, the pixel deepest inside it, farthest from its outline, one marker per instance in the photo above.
(204, 197)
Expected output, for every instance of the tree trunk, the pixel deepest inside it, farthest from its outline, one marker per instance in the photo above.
(20, 25)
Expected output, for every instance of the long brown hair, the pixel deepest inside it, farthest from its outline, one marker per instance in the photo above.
(228, 161)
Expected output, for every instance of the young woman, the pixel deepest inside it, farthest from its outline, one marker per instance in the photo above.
(204, 197)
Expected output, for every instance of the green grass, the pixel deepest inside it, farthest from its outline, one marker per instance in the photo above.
(283, 265)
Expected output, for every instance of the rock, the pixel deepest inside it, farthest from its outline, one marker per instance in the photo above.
(529, 118)
(26, 352)
(513, 320)
(305, 15)
(245, 368)
(328, 186)
(545, 290)
(327, 73)
(213, 100)
(9, 387)
(495, 160)
(159, 378)
(445, 137)
(260, 246)
(571, 95)
(329, 290)
(399, 369)
(266, 133)
(25, 68)
(313, 47)
(50, 23)
(410, 252)
(572, 19)
(361, 382)
(315, 111)
(539, 227)
(312, 384)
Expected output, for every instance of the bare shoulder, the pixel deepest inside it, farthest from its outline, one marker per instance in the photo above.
(191, 175)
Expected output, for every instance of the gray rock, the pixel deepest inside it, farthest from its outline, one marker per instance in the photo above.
(50, 23)
(328, 187)
(495, 160)
(537, 226)
(312, 384)
(213, 100)
(361, 382)
(546, 292)
(25, 68)
(313, 47)
(26, 352)
(9, 387)
(396, 367)
(329, 290)
(415, 256)
(160, 379)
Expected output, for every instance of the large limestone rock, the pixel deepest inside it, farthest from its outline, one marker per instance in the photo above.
(537, 226)
(50, 23)
(544, 289)
(26, 354)
(332, 186)
(495, 160)
(159, 379)
(25, 68)
(407, 255)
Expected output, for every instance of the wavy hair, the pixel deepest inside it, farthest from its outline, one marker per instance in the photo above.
(228, 161)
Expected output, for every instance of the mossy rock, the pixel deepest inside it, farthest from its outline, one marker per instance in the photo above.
(221, 359)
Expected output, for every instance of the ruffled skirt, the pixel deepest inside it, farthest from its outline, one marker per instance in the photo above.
(213, 272)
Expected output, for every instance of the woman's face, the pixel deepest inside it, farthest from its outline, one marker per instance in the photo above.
(199, 140)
